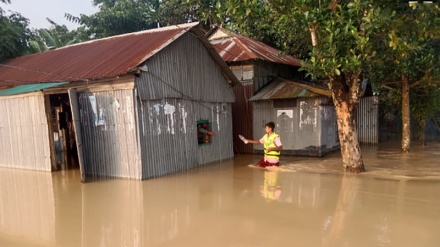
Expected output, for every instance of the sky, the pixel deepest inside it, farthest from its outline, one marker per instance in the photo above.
(37, 11)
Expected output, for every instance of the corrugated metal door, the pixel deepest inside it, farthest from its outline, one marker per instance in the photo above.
(242, 118)
(73, 95)
(367, 120)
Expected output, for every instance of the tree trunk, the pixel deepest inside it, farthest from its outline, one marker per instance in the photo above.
(345, 102)
(350, 149)
(406, 131)
(421, 125)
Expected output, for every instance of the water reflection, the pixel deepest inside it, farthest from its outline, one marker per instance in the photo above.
(270, 188)
(27, 208)
(226, 204)
(336, 232)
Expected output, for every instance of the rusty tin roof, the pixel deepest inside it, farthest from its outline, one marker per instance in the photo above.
(102, 58)
(285, 89)
(234, 47)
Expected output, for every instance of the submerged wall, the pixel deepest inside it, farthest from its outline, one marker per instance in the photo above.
(24, 133)
(307, 126)
(168, 135)
(109, 134)
(179, 86)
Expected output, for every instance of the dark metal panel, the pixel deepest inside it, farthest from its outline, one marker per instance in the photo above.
(242, 117)
(367, 118)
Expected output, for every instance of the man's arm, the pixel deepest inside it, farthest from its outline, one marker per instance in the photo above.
(252, 141)
(205, 131)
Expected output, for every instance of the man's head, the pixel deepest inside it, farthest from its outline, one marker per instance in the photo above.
(269, 127)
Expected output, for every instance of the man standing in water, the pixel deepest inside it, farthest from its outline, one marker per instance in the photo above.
(272, 146)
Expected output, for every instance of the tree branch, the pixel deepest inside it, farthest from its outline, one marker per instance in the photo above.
(390, 88)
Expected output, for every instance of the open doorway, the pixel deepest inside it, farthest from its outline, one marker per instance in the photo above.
(63, 132)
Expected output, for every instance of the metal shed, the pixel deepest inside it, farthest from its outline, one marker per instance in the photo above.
(134, 101)
(304, 115)
(255, 64)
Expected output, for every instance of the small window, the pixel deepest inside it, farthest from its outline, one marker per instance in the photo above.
(204, 132)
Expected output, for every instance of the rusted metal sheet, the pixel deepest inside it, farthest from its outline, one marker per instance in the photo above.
(367, 122)
(101, 58)
(109, 134)
(168, 135)
(24, 137)
(285, 89)
(234, 47)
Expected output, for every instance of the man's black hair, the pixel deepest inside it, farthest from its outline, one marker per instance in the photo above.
(270, 125)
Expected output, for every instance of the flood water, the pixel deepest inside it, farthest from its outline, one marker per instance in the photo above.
(307, 202)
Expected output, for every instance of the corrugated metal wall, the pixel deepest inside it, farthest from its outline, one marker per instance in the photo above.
(169, 135)
(184, 70)
(183, 84)
(265, 72)
(24, 133)
(110, 148)
(300, 124)
(242, 117)
(367, 121)
(329, 127)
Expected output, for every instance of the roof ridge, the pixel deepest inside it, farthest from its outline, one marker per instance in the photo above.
(152, 30)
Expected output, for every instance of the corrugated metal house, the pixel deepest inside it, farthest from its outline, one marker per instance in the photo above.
(263, 70)
(256, 65)
(138, 104)
(304, 115)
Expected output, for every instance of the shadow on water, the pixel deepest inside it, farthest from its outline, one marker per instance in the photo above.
(306, 202)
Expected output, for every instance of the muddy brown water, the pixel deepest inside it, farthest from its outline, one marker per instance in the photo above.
(307, 202)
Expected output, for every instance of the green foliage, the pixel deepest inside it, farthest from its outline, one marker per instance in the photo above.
(54, 37)
(208, 12)
(271, 22)
(117, 17)
(345, 33)
(14, 35)
(425, 103)
(410, 48)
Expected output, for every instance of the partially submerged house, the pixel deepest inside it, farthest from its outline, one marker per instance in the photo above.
(273, 82)
(304, 115)
(273, 89)
(130, 104)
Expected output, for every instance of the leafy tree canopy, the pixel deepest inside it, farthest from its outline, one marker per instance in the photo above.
(118, 16)
(53, 37)
(14, 35)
